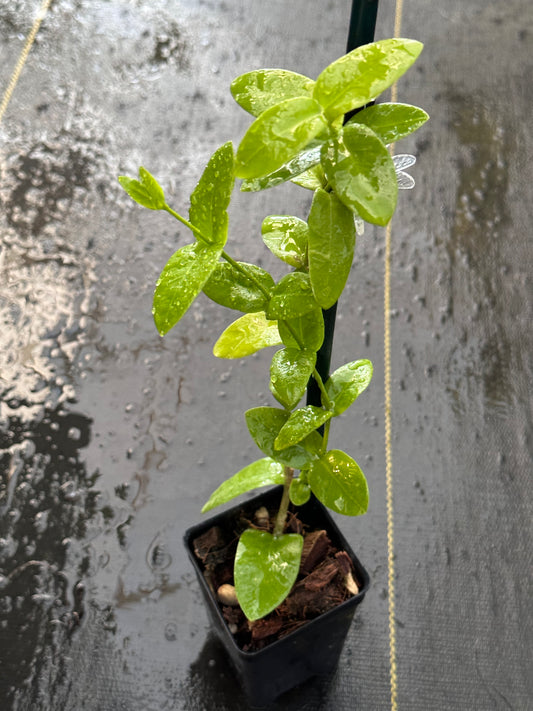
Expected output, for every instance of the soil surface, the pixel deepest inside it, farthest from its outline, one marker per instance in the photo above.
(325, 579)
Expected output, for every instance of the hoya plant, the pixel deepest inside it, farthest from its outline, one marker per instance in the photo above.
(327, 136)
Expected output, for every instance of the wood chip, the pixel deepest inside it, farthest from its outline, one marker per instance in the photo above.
(315, 549)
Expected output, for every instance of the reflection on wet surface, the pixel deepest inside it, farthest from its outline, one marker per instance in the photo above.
(111, 439)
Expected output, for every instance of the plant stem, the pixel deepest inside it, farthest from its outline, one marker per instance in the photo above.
(284, 505)
(316, 375)
(188, 224)
(225, 255)
(249, 276)
(325, 437)
(319, 383)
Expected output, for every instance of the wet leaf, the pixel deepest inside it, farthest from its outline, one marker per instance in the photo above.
(278, 135)
(229, 287)
(346, 384)
(292, 297)
(300, 424)
(248, 334)
(266, 568)
(305, 333)
(338, 482)
(264, 472)
(391, 122)
(295, 167)
(299, 492)
(211, 197)
(361, 170)
(289, 374)
(181, 281)
(331, 247)
(261, 89)
(312, 179)
(286, 237)
(146, 192)
(359, 76)
(264, 424)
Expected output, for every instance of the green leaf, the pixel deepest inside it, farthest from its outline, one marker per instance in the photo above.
(229, 287)
(146, 192)
(286, 237)
(295, 167)
(264, 424)
(299, 492)
(261, 89)
(346, 384)
(305, 333)
(300, 424)
(266, 568)
(264, 472)
(278, 135)
(391, 122)
(291, 297)
(331, 247)
(289, 374)
(338, 482)
(248, 334)
(360, 168)
(181, 281)
(211, 197)
(312, 179)
(357, 78)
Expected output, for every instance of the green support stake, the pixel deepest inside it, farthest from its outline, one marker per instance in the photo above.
(361, 31)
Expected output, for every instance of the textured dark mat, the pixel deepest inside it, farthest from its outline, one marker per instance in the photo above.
(111, 439)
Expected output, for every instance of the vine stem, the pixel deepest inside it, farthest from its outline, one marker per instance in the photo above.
(264, 291)
(284, 504)
(224, 254)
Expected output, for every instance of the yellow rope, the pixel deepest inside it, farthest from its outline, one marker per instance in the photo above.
(23, 56)
(388, 425)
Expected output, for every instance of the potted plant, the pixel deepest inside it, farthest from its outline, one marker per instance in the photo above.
(330, 137)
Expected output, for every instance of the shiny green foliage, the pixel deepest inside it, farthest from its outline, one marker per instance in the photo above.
(264, 472)
(345, 385)
(338, 482)
(248, 334)
(290, 171)
(239, 289)
(312, 179)
(146, 191)
(297, 135)
(211, 197)
(305, 332)
(261, 89)
(278, 135)
(266, 568)
(265, 423)
(391, 122)
(287, 238)
(290, 371)
(331, 247)
(300, 424)
(181, 281)
(360, 76)
(299, 492)
(360, 168)
(292, 297)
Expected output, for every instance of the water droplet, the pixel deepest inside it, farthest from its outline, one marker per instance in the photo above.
(171, 632)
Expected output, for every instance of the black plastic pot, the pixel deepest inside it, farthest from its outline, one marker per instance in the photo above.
(313, 648)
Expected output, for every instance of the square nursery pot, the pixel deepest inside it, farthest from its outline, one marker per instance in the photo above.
(312, 649)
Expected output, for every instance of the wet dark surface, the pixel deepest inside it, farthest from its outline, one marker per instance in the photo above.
(111, 438)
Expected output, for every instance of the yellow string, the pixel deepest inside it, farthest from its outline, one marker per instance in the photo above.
(388, 424)
(30, 39)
